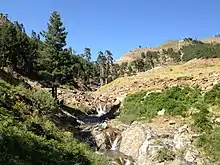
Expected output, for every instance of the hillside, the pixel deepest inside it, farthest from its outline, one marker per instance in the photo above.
(174, 44)
(202, 72)
(33, 130)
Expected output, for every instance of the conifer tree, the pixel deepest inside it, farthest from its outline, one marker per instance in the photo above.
(87, 54)
(8, 45)
(55, 41)
(109, 65)
(102, 66)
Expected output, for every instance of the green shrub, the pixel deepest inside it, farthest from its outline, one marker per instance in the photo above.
(201, 122)
(165, 154)
(213, 97)
(41, 99)
(31, 138)
(209, 143)
(175, 100)
(20, 146)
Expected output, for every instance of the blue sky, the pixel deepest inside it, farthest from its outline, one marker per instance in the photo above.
(120, 25)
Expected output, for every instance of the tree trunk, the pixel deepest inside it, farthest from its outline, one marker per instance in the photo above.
(101, 81)
(106, 80)
(54, 91)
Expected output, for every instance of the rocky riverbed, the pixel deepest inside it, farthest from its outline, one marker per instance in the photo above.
(165, 141)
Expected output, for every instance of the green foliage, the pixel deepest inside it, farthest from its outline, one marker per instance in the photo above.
(175, 101)
(201, 121)
(27, 136)
(200, 50)
(47, 61)
(179, 101)
(165, 154)
(209, 140)
(102, 61)
(146, 61)
(209, 143)
(176, 56)
(213, 96)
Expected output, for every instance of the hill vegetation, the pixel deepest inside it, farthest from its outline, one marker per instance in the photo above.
(28, 134)
(46, 58)
(196, 106)
(171, 52)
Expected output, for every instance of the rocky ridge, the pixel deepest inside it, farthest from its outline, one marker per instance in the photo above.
(174, 44)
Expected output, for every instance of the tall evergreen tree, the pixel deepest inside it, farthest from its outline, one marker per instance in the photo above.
(130, 70)
(8, 45)
(123, 68)
(101, 60)
(109, 65)
(87, 54)
(115, 71)
(55, 40)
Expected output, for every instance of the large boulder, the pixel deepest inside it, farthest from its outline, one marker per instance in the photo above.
(133, 138)
(149, 146)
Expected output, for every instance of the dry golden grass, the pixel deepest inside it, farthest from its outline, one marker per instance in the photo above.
(175, 44)
(195, 72)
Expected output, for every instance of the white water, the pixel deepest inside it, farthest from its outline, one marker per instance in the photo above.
(68, 114)
(101, 111)
(127, 162)
(115, 144)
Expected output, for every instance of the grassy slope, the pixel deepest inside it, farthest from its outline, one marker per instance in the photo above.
(28, 135)
(203, 72)
(175, 44)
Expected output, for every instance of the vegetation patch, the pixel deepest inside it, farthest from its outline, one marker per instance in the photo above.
(180, 100)
(175, 101)
(200, 50)
(27, 136)
(209, 143)
(165, 154)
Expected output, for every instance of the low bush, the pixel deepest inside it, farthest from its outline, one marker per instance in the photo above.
(213, 96)
(201, 119)
(165, 154)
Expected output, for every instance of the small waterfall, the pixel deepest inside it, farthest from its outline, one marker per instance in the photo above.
(127, 162)
(115, 144)
(68, 114)
(101, 111)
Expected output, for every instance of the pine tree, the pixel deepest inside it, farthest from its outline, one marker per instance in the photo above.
(150, 58)
(143, 55)
(87, 54)
(55, 41)
(101, 60)
(123, 68)
(86, 65)
(8, 45)
(130, 70)
(140, 64)
(109, 65)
